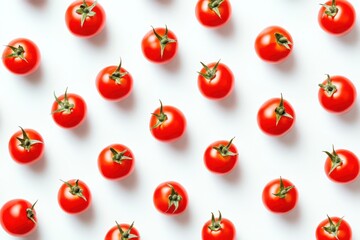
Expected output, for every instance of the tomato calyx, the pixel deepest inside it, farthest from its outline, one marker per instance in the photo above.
(332, 228)
(18, 52)
(329, 88)
(174, 199)
(65, 105)
(75, 189)
(86, 11)
(30, 212)
(224, 150)
(282, 40)
(117, 75)
(119, 157)
(210, 72)
(125, 235)
(164, 40)
(214, 6)
(161, 117)
(280, 111)
(25, 141)
(215, 224)
(335, 160)
(283, 190)
(332, 10)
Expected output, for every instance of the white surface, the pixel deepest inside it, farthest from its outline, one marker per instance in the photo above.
(71, 62)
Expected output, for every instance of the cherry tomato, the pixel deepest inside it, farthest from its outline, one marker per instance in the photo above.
(116, 162)
(167, 123)
(215, 81)
(279, 196)
(74, 196)
(213, 13)
(122, 232)
(114, 83)
(170, 198)
(337, 94)
(21, 56)
(26, 146)
(218, 229)
(221, 157)
(337, 17)
(333, 228)
(159, 45)
(342, 166)
(18, 217)
(85, 18)
(274, 44)
(276, 117)
(68, 110)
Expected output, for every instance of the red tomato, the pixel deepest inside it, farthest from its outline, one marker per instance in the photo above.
(159, 45)
(337, 17)
(215, 81)
(218, 229)
(68, 110)
(18, 217)
(170, 198)
(280, 196)
(26, 146)
(276, 117)
(221, 157)
(116, 162)
(333, 228)
(213, 13)
(85, 18)
(167, 123)
(74, 196)
(114, 83)
(274, 44)
(342, 166)
(122, 232)
(337, 94)
(21, 56)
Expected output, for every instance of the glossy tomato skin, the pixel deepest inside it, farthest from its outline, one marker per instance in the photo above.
(227, 230)
(91, 26)
(112, 169)
(340, 24)
(208, 18)
(74, 204)
(277, 204)
(31, 57)
(114, 232)
(23, 155)
(14, 218)
(161, 198)
(218, 87)
(268, 48)
(342, 100)
(151, 46)
(344, 231)
(220, 163)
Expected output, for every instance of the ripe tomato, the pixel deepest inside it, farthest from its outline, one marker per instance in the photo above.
(276, 117)
(74, 196)
(116, 162)
(21, 56)
(218, 229)
(159, 45)
(215, 81)
(342, 166)
(18, 217)
(213, 13)
(170, 198)
(122, 232)
(274, 44)
(114, 83)
(85, 18)
(280, 196)
(68, 110)
(167, 123)
(26, 146)
(337, 17)
(337, 94)
(333, 228)
(221, 157)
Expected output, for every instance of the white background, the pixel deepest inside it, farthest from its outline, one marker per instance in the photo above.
(72, 62)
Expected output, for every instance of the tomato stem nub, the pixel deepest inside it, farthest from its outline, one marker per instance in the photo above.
(283, 190)
(214, 6)
(164, 40)
(119, 157)
(280, 111)
(329, 87)
(161, 117)
(18, 52)
(65, 105)
(173, 199)
(117, 75)
(224, 150)
(332, 228)
(210, 72)
(335, 160)
(75, 189)
(282, 40)
(125, 235)
(332, 10)
(86, 11)
(30, 212)
(215, 224)
(26, 142)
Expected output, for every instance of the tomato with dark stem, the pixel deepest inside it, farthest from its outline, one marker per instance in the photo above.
(18, 217)
(218, 229)
(333, 228)
(123, 231)
(213, 13)
(74, 196)
(26, 146)
(170, 198)
(21, 56)
(85, 18)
